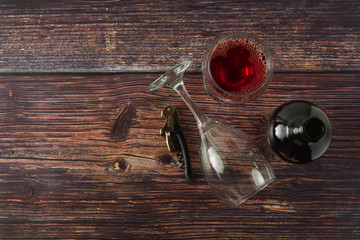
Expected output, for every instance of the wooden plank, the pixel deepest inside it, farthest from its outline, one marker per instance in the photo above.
(65, 172)
(120, 36)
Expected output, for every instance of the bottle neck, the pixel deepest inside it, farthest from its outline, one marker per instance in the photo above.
(311, 130)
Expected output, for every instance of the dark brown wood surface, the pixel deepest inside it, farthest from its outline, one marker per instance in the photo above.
(66, 172)
(120, 36)
(81, 155)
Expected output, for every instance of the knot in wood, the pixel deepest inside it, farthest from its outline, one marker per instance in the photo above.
(120, 165)
(123, 122)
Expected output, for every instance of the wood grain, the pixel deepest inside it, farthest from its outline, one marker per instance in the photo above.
(121, 36)
(64, 175)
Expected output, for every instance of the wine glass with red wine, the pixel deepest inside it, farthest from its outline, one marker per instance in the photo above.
(236, 68)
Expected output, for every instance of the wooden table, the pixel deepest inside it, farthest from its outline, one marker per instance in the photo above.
(81, 155)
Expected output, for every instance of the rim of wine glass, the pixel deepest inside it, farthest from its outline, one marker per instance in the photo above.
(207, 59)
(254, 192)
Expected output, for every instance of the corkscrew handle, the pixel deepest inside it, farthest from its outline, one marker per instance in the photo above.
(175, 138)
(185, 151)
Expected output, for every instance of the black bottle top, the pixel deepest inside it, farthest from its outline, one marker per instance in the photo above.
(299, 132)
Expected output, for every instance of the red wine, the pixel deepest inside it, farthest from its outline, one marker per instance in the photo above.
(239, 66)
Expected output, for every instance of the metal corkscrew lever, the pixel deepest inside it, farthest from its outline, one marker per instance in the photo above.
(175, 139)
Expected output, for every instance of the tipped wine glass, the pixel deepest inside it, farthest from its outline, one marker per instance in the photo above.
(233, 164)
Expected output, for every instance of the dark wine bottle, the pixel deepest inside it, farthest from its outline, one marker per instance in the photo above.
(299, 132)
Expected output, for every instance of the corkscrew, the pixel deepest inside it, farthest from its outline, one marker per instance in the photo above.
(175, 139)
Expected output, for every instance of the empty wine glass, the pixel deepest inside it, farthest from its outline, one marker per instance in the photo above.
(233, 164)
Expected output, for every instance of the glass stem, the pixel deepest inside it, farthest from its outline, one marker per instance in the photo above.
(201, 119)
